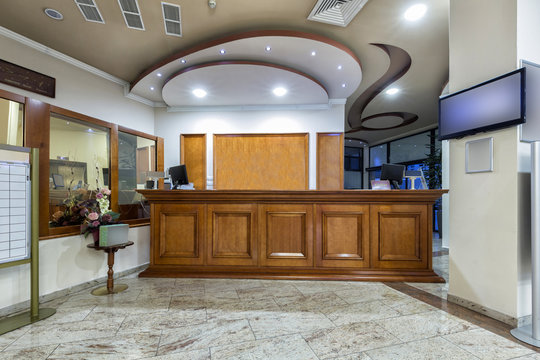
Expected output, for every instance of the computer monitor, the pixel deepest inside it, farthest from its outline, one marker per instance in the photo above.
(178, 175)
(393, 173)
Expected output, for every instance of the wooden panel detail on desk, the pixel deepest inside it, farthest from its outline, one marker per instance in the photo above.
(400, 237)
(342, 237)
(232, 234)
(193, 155)
(286, 235)
(329, 161)
(261, 162)
(180, 234)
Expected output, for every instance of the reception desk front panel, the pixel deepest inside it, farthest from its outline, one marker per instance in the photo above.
(357, 235)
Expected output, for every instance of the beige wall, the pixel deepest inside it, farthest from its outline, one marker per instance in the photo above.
(488, 211)
(66, 262)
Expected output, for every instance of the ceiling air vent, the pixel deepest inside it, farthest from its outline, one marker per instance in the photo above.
(336, 12)
(171, 19)
(132, 14)
(90, 11)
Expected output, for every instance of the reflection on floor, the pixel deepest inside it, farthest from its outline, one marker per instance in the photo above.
(195, 319)
(440, 265)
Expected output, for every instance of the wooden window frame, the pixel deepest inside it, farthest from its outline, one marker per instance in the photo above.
(37, 135)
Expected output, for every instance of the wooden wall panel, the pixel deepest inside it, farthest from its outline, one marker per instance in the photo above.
(400, 236)
(329, 161)
(37, 129)
(193, 155)
(286, 235)
(261, 162)
(180, 235)
(342, 238)
(232, 234)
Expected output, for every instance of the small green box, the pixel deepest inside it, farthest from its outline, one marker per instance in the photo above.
(113, 234)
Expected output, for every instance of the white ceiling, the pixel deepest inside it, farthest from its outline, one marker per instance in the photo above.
(136, 56)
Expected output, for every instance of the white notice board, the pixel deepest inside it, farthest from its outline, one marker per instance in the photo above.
(14, 211)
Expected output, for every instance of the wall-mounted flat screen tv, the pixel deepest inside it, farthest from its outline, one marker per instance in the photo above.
(493, 104)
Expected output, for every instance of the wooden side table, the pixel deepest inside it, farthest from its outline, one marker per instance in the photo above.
(110, 250)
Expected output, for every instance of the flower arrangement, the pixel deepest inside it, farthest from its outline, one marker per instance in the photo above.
(100, 214)
(84, 208)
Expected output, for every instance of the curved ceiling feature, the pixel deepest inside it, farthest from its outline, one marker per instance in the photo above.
(331, 63)
(241, 83)
(400, 62)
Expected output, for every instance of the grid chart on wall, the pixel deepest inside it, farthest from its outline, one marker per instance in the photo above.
(14, 211)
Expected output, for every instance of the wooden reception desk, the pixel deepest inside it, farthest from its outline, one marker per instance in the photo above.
(347, 235)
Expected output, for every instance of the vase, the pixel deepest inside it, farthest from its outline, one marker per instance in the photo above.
(95, 235)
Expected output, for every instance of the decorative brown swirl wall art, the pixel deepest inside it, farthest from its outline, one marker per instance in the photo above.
(400, 62)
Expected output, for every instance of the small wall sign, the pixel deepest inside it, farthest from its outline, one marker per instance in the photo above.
(27, 79)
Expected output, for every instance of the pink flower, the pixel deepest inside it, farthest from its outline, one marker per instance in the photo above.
(107, 192)
(99, 195)
(93, 216)
(95, 224)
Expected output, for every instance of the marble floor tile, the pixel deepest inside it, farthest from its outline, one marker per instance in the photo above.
(162, 320)
(408, 306)
(211, 333)
(275, 290)
(10, 337)
(187, 302)
(420, 326)
(288, 323)
(134, 346)
(290, 347)
(67, 332)
(359, 312)
(348, 339)
(202, 354)
(486, 345)
(370, 292)
(435, 348)
(228, 309)
(31, 353)
(359, 356)
(535, 356)
(125, 308)
(313, 287)
(64, 315)
(314, 302)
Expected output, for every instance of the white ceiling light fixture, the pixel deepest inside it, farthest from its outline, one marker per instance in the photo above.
(222, 51)
(53, 14)
(171, 19)
(183, 61)
(152, 88)
(415, 12)
(336, 12)
(313, 53)
(268, 48)
(279, 91)
(159, 75)
(339, 67)
(343, 85)
(200, 93)
(90, 11)
(392, 91)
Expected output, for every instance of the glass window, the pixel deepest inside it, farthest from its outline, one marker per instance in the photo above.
(136, 156)
(411, 148)
(78, 165)
(353, 167)
(377, 155)
(11, 122)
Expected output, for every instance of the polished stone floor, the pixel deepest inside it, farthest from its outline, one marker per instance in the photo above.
(196, 319)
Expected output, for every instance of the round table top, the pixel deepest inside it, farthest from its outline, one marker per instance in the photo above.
(116, 246)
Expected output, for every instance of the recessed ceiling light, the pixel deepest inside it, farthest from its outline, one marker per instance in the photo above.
(53, 14)
(158, 74)
(392, 91)
(152, 88)
(313, 53)
(339, 67)
(200, 93)
(279, 91)
(183, 61)
(268, 48)
(90, 130)
(222, 51)
(343, 85)
(415, 12)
